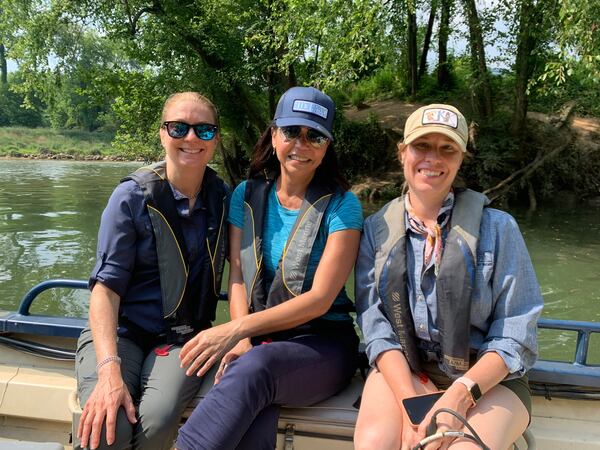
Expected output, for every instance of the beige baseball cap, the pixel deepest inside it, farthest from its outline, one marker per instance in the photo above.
(437, 118)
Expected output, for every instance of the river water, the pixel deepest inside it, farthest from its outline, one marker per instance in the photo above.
(50, 212)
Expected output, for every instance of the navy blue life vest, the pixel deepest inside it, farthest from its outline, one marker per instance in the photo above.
(188, 305)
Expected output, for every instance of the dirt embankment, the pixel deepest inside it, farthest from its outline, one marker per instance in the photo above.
(391, 115)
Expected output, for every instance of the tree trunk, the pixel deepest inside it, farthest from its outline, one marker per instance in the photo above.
(271, 90)
(291, 77)
(3, 66)
(443, 74)
(235, 161)
(483, 90)
(427, 39)
(271, 76)
(524, 64)
(412, 47)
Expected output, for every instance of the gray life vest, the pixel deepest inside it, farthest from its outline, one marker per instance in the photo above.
(289, 280)
(187, 305)
(454, 283)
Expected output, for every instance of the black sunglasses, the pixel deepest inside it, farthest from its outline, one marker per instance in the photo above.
(313, 137)
(179, 130)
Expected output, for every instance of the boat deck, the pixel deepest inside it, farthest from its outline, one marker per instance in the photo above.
(38, 393)
(38, 402)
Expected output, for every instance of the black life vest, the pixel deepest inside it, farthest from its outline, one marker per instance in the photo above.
(188, 304)
(289, 280)
(454, 283)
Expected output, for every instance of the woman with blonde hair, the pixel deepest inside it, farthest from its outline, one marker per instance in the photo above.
(447, 299)
(161, 249)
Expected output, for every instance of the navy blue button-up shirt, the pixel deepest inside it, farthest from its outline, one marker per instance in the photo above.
(127, 261)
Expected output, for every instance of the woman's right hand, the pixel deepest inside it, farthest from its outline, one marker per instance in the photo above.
(103, 405)
(241, 347)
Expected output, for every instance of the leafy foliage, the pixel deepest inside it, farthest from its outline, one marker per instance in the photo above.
(106, 65)
(362, 148)
(12, 112)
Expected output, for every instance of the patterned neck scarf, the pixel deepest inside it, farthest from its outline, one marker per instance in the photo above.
(434, 243)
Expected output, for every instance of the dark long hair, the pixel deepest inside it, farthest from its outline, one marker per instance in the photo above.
(263, 159)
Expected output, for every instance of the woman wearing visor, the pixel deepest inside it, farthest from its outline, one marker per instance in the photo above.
(447, 299)
(294, 234)
(161, 249)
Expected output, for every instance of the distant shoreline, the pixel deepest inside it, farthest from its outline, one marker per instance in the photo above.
(65, 157)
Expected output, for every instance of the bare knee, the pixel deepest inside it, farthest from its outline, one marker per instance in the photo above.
(375, 438)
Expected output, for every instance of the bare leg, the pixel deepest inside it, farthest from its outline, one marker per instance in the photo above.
(499, 419)
(379, 423)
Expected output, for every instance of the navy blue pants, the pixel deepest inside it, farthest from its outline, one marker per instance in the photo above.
(241, 412)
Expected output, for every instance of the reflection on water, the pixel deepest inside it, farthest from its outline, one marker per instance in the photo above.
(565, 248)
(50, 212)
(49, 216)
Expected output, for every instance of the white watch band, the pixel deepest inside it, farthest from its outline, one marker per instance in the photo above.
(469, 384)
(466, 381)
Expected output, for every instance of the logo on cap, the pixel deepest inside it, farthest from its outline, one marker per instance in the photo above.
(310, 107)
(440, 116)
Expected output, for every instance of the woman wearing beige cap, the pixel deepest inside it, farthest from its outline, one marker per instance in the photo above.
(447, 299)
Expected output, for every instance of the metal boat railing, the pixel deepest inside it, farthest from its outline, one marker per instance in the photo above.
(577, 379)
(550, 378)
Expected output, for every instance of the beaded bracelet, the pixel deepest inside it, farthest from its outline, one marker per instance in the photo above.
(107, 360)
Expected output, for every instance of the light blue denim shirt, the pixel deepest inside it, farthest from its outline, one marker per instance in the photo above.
(505, 304)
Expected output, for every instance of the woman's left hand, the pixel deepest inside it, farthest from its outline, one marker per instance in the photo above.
(207, 347)
(240, 348)
(455, 398)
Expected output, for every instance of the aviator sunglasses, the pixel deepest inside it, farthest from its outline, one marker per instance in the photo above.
(313, 137)
(179, 130)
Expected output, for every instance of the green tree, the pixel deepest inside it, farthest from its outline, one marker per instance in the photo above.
(241, 53)
(575, 59)
(483, 90)
(3, 65)
(427, 39)
(531, 26)
(443, 71)
(411, 34)
(12, 112)
(11, 12)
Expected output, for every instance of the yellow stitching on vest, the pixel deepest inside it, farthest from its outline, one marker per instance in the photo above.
(158, 174)
(285, 249)
(150, 169)
(212, 255)
(212, 261)
(253, 233)
(182, 260)
(257, 260)
(249, 300)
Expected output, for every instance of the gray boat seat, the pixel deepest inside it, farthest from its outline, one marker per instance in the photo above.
(26, 445)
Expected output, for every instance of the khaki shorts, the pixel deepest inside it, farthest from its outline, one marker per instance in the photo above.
(520, 386)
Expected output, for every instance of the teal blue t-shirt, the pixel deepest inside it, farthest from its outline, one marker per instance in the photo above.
(343, 212)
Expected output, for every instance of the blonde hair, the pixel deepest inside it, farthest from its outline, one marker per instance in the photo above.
(193, 96)
(401, 146)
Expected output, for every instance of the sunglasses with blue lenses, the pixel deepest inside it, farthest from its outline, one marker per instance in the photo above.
(313, 137)
(179, 130)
